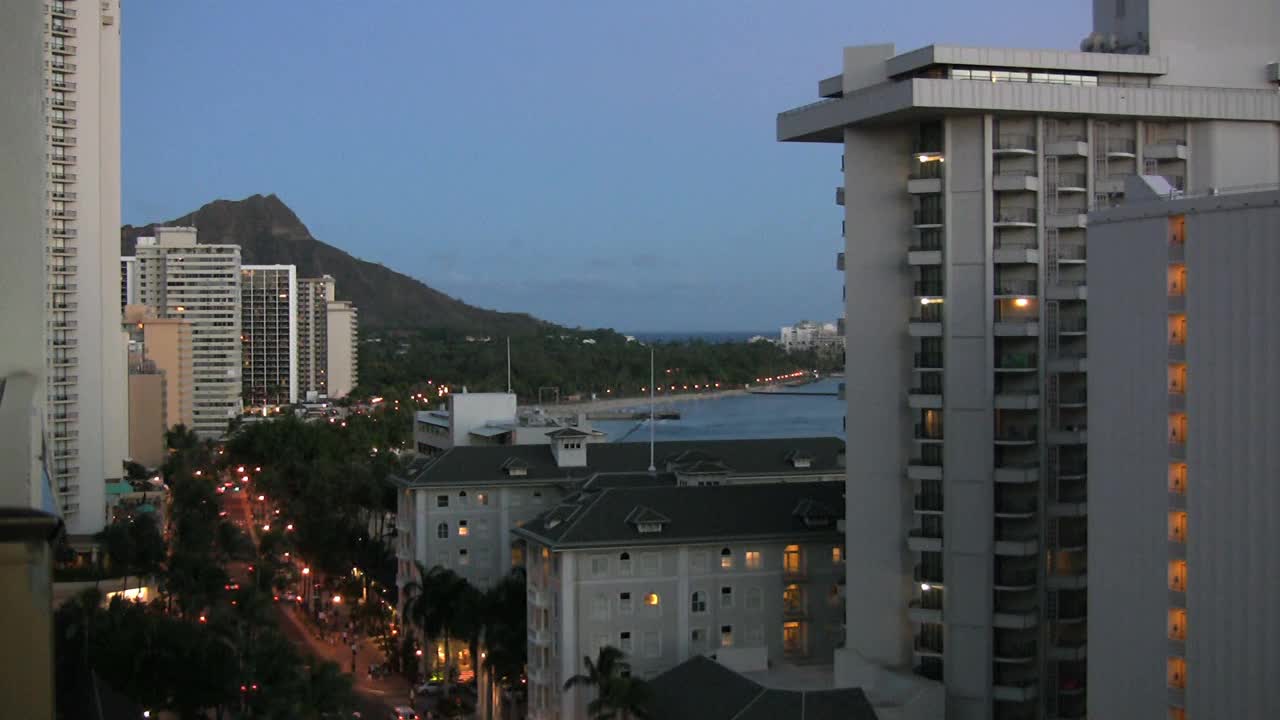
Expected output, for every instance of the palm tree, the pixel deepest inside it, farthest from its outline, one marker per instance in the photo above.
(604, 675)
(435, 603)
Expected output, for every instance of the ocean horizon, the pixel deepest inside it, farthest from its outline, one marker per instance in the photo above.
(711, 336)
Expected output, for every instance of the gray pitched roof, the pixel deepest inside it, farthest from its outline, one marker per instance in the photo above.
(693, 513)
(568, 432)
(703, 689)
(485, 464)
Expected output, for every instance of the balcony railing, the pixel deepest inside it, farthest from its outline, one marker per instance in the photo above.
(1120, 146)
(928, 171)
(928, 573)
(924, 432)
(1017, 361)
(930, 502)
(930, 313)
(1030, 433)
(1015, 287)
(928, 240)
(1021, 577)
(1016, 505)
(932, 216)
(1013, 142)
(929, 644)
(1069, 179)
(928, 360)
(1024, 215)
(928, 289)
(1073, 325)
(930, 384)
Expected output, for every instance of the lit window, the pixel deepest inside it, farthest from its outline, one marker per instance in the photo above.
(652, 599)
(462, 528)
(726, 559)
(482, 498)
(837, 555)
(753, 559)
(726, 597)
(726, 636)
(464, 558)
(442, 531)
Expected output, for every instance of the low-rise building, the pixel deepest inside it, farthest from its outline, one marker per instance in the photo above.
(488, 419)
(807, 335)
(750, 574)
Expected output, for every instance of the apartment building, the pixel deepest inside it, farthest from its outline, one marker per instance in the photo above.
(165, 343)
(750, 574)
(1182, 464)
(969, 174)
(85, 361)
(147, 421)
(269, 334)
(807, 335)
(343, 353)
(468, 418)
(314, 296)
(457, 509)
(128, 281)
(200, 284)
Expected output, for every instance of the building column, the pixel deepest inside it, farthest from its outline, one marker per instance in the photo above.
(420, 526)
(504, 531)
(682, 603)
(570, 700)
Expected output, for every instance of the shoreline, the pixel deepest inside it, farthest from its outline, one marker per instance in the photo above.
(638, 401)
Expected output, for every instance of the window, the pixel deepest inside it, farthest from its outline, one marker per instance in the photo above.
(516, 499)
(698, 603)
(791, 560)
(753, 560)
(726, 559)
(462, 497)
(624, 603)
(837, 555)
(792, 599)
(537, 493)
(482, 527)
(726, 597)
(698, 639)
(464, 558)
(624, 563)
(442, 501)
(726, 636)
(755, 636)
(599, 566)
(652, 644)
(650, 562)
(698, 562)
(442, 531)
(600, 607)
(624, 641)
(755, 598)
(462, 528)
(652, 599)
(482, 498)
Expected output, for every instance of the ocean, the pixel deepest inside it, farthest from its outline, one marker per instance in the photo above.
(711, 337)
(780, 415)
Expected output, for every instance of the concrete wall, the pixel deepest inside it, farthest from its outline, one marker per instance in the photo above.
(1232, 154)
(22, 239)
(342, 368)
(468, 411)
(147, 418)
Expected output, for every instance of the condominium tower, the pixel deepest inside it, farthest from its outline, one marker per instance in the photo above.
(128, 281)
(1183, 462)
(968, 177)
(87, 384)
(269, 333)
(314, 296)
(343, 353)
(200, 284)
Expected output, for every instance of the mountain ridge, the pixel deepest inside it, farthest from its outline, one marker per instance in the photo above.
(269, 233)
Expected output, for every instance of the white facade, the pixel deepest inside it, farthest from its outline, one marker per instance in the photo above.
(128, 281)
(1182, 464)
(969, 174)
(87, 412)
(314, 296)
(269, 333)
(806, 335)
(343, 351)
(201, 284)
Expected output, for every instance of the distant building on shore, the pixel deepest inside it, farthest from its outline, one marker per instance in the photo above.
(468, 419)
(808, 335)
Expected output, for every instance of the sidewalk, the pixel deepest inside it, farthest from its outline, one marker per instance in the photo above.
(392, 689)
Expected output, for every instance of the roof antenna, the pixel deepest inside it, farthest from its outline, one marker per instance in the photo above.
(653, 469)
(508, 365)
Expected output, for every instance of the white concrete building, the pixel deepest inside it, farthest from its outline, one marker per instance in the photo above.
(314, 296)
(128, 281)
(748, 574)
(468, 418)
(87, 402)
(1184, 521)
(199, 283)
(969, 174)
(343, 351)
(808, 335)
(269, 334)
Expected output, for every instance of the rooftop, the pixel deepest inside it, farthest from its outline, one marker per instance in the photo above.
(703, 689)
(488, 464)
(666, 514)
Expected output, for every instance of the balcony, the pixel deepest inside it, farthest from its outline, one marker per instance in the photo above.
(924, 540)
(1014, 145)
(62, 104)
(1015, 580)
(1016, 506)
(1120, 148)
(840, 261)
(928, 646)
(62, 49)
(1072, 253)
(1064, 289)
(61, 10)
(924, 469)
(926, 249)
(1014, 651)
(1067, 146)
(1017, 474)
(927, 290)
(1018, 613)
(62, 158)
(1015, 181)
(927, 179)
(1073, 326)
(1015, 253)
(1006, 400)
(1067, 219)
(1021, 543)
(927, 218)
(926, 395)
(1017, 436)
(928, 503)
(1072, 182)
(928, 433)
(1015, 217)
(1069, 363)
(928, 361)
(58, 176)
(925, 611)
(1165, 149)
(840, 196)
(63, 232)
(62, 140)
(1069, 435)
(1073, 540)
(929, 574)
(63, 214)
(926, 322)
(1069, 650)
(62, 122)
(1016, 363)
(1016, 326)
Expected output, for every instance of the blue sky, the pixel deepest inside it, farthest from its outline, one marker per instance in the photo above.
(595, 163)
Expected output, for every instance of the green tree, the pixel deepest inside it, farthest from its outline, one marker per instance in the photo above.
(616, 694)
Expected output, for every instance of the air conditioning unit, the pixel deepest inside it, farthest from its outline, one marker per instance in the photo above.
(1273, 72)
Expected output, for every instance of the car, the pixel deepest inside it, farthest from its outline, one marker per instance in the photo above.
(403, 712)
(430, 687)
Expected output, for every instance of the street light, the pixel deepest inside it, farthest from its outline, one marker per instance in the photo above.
(306, 571)
(337, 599)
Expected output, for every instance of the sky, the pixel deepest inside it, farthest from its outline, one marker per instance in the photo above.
(594, 163)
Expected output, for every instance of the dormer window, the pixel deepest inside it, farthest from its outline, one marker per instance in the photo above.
(647, 521)
(652, 527)
(515, 467)
(800, 460)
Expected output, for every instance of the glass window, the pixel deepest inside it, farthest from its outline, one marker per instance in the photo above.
(650, 563)
(753, 560)
(442, 531)
(755, 598)
(652, 599)
(600, 607)
(599, 565)
(624, 563)
(698, 603)
(791, 562)
(726, 559)
(837, 555)
(624, 641)
(482, 498)
(698, 639)
(726, 636)
(463, 531)
(464, 558)
(624, 603)
(442, 501)
(652, 644)
(726, 597)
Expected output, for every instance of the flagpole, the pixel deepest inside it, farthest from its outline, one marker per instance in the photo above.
(652, 468)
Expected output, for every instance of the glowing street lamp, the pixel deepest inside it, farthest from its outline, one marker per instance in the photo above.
(337, 599)
(306, 571)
